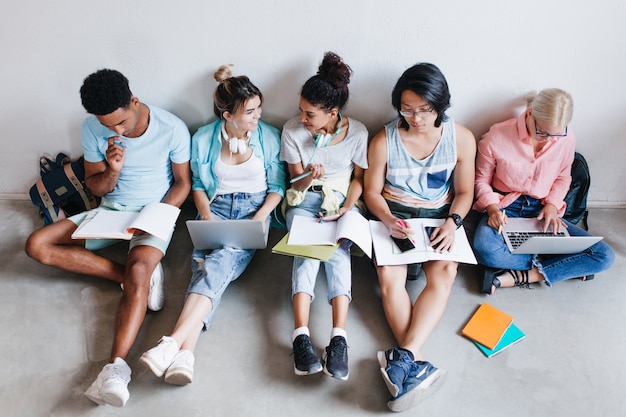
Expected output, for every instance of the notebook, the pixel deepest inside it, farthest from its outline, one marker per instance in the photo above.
(512, 335)
(239, 234)
(487, 325)
(524, 236)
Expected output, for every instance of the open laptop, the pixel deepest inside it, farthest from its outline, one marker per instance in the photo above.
(239, 234)
(524, 236)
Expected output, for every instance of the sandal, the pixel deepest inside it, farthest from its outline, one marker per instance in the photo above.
(587, 277)
(490, 279)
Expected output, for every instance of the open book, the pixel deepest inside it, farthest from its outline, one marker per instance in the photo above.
(157, 219)
(352, 225)
(387, 253)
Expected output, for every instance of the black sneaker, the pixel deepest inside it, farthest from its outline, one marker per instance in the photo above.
(336, 358)
(306, 361)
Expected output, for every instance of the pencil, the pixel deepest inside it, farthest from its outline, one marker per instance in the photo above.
(500, 227)
(299, 177)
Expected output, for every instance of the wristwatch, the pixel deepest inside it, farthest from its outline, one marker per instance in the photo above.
(457, 219)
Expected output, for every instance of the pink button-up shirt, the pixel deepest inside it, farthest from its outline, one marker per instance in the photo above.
(507, 162)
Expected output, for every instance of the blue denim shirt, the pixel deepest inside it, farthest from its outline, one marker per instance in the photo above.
(205, 149)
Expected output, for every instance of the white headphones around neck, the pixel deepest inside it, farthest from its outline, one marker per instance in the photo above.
(236, 145)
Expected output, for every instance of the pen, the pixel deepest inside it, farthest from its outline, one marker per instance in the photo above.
(500, 227)
(299, 177)
(406, 226)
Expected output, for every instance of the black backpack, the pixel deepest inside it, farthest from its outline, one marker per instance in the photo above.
(61, 190)
(576, 198)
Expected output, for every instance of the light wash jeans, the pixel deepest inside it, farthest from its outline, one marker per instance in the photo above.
(338, 268)
(491, 250)
(213, 270)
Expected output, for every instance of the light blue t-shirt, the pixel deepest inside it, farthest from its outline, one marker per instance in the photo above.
(147, 173)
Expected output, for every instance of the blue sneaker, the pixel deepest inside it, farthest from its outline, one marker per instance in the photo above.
(306, 361)
(398, 366)
(423, 380)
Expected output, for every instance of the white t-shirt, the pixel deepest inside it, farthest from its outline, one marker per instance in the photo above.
(298, 145)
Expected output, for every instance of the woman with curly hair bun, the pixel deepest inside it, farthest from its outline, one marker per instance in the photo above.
(326, 153)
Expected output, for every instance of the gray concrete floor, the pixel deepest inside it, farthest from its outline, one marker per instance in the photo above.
(57, 329)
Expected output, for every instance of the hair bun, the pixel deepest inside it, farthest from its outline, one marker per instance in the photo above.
(334, 71)
(223, 73)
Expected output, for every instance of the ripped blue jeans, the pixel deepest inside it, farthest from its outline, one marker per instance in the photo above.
(491, 250)
(213, 270)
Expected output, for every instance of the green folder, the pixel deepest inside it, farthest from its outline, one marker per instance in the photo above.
(512, 335)
(320, 252)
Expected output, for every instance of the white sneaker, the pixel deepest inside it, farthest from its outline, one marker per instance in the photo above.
(159, 358)
(156, 294)
(111, 385)
(180, 371)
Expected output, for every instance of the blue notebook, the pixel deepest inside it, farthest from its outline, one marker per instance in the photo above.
(512, 335)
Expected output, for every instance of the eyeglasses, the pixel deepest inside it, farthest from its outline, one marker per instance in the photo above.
(541, 134)
(419, 113)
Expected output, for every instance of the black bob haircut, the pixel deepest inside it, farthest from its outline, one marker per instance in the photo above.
(105, 91)
(427, 81)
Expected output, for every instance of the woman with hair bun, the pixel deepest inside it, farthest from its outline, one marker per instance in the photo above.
(326, 153)
(523, 169)
(236, 174)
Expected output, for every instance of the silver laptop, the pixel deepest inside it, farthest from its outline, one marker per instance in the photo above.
(239, 234)
(524, 236)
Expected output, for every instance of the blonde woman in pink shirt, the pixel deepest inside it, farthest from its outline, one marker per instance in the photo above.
(523, 169)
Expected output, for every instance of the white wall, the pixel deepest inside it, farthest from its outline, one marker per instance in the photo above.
(492, 53)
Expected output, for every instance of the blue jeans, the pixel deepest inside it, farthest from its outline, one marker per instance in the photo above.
(213, 270)
(491, 250)
(338, 268)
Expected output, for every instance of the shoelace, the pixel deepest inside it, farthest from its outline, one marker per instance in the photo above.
(117, 374)
(338, 349)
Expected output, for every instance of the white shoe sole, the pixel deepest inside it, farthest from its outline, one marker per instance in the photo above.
(429, 386)
(152, 365)
(179, 376)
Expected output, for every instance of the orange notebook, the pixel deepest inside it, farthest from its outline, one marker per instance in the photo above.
(487, 325)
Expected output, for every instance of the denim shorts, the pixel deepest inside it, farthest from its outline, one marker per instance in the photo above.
(213, 270)
(144, 239)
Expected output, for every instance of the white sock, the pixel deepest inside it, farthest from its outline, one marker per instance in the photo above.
(300, 330)
(338, 331)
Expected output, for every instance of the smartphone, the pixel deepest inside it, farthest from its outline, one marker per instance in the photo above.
(429, 231)
(403, 244)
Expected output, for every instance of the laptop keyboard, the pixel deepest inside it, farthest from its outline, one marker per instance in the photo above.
(517, 238)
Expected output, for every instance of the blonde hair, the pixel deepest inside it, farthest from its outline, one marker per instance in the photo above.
(552, 106)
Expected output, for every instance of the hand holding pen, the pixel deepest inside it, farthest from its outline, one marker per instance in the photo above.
(116, 152)
(502, 221)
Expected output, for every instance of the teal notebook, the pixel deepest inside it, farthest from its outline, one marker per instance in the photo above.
(512, 335)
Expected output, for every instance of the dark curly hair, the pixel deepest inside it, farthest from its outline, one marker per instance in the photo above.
(105, 91)
(329, 87)
(427, 81)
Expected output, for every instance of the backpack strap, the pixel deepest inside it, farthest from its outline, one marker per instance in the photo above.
(47, 201)
(69, 172)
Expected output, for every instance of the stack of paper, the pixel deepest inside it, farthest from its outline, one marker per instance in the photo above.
(492, 330)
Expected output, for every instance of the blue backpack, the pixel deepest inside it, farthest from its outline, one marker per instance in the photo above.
(61, 190)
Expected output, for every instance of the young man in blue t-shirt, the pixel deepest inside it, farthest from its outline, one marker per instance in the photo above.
(135, 154)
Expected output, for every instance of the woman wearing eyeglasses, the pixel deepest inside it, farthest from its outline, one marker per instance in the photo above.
(523, 169)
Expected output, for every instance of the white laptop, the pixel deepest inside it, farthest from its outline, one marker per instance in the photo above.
(524, 236)
(239, 234)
